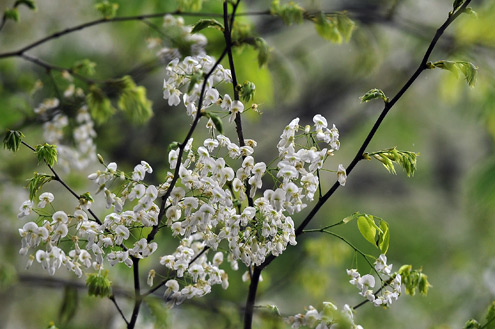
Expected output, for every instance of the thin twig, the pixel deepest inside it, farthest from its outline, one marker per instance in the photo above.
(137, 294)
(112, 298)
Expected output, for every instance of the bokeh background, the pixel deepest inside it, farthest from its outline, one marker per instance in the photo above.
(442, 219)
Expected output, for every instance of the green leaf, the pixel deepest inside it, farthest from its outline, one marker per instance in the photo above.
(36, 183)
(291, 13)
(206, 23)
(159, 313)
(99, 104)
(490, 317)
(327, 28)
(470, 11)
(414, 279)
(11, 13)
(47, 153)
(367, 227)
(472, 324)
(247, 91)
(374, 94)
(172, 146)
(107, 9)
(84, 66)
(263, 51)
(345, 26)
(406, 159)
(133, 101)
(28, 3)
(423, 284)
(12, 140)
(69, 305)
(193, 5)
(99, 285)
(469, 70)
(384, 237)
(216, 121)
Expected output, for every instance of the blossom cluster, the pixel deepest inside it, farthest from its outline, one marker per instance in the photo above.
(389, 292)
(328, 318)
(83, 151)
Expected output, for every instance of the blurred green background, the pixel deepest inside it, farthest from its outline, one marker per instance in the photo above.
(442, 219)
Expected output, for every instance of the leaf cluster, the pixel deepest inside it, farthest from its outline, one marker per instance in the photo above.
(46, 153)
(99, 285)
(36, 183)
(414, 279)
(336, 27)
(107, 9)
(406, 159)
(467, 69)
(13, 13)
(132, 100)
(290, 13)
(374, 94)
(12, 140)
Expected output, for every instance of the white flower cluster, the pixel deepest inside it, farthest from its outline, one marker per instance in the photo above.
(83, 152)
(328, 318)
(204, 273)
(389, 292)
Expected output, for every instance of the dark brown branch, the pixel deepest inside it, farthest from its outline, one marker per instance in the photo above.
(137, 294)
(114, 301)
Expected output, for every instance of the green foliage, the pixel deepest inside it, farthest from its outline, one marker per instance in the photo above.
(84, 66)
(99, 104)
(12, 140)
(85, 198)
(172, 146)
(406, 159)
(107, 9)
(190, 5)
(205, 23)
(217, 122)
(69, 305)
(374, 229)
(263, 50)
(47, 153)
(36, 183)
(472, 324)
(247, 91)
(291, 13)
(99, 285)
(374, 94)
(414, 279)
(12, 14)
(490, 317)
(335, 28)
(28, 3)
(159, 313)
(134, 103)
(469, 70)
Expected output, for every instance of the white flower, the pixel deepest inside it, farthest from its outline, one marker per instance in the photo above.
(25, 209)
(45, 198)
(341, 175)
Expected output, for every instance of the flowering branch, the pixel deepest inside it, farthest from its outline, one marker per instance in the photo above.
(358, 157)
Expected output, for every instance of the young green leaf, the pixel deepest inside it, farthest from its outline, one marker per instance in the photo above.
(472, 324)
(345, 26)
(216, 121)
(469, 70)
(12, 14)
(84, 66)
(374, 94)
(107, 9)
(406, 159)
(367, 227)
(490, 317)
(327, 28)
(99, 104)
(36, 183)
(205, 23)
(384, 237)
(263, 51)
(99, 285)
(133, 101)
(193, 5)
(12, 140)
(247, 91)
(47, 153)
(291, 12)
